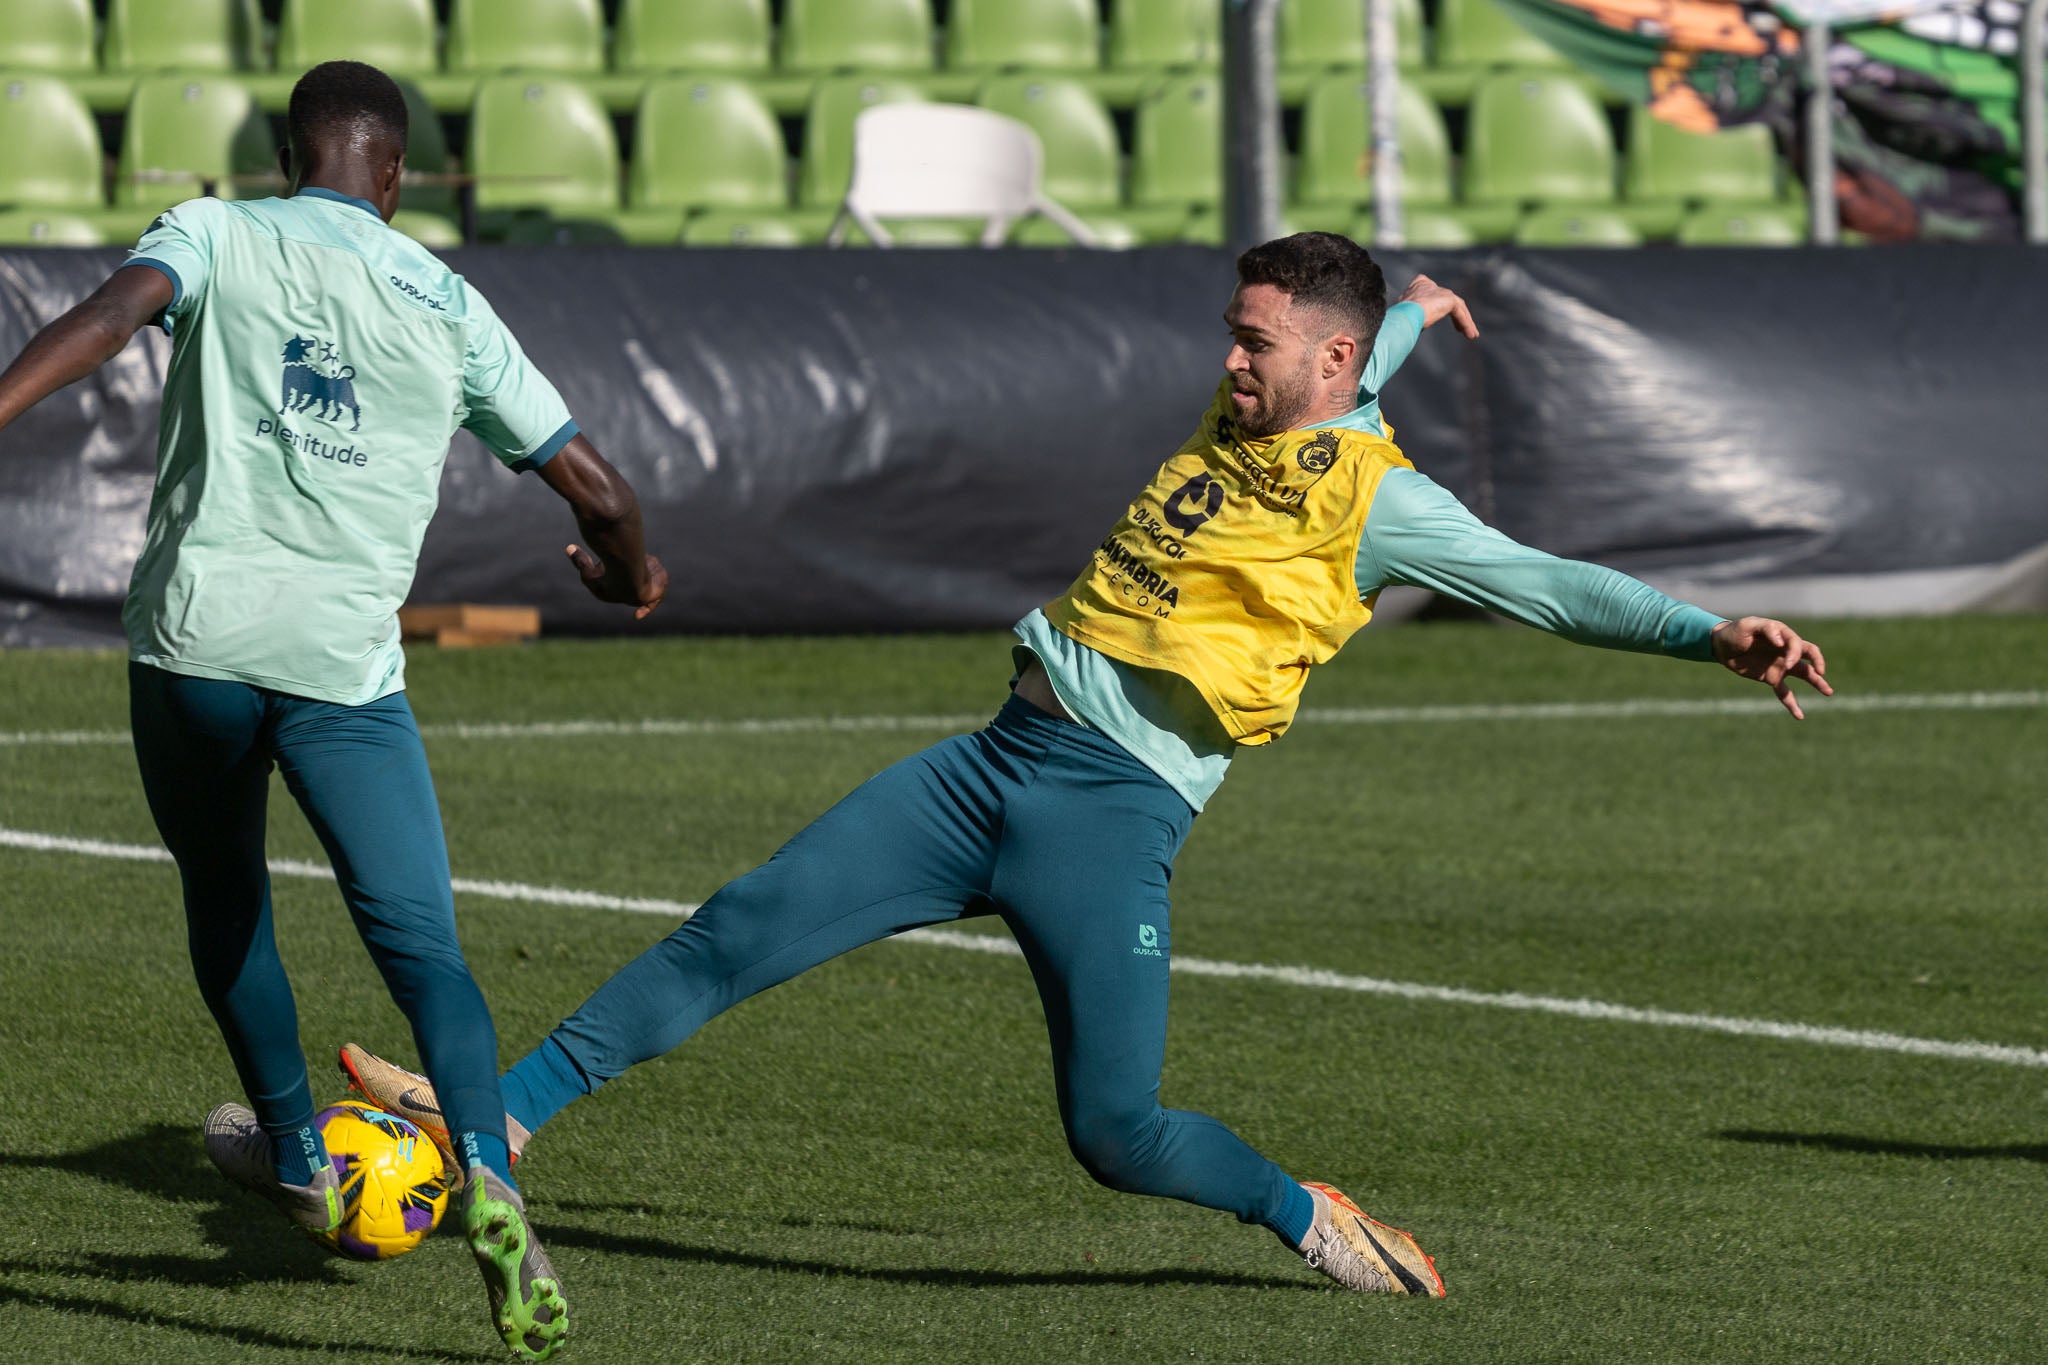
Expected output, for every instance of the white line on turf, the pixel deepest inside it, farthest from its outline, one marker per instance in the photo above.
(1311, 715)
(1309, 977)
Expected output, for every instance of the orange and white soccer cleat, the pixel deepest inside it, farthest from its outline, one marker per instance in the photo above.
(1362, 1253)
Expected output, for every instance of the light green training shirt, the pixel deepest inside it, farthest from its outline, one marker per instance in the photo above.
(320, 362)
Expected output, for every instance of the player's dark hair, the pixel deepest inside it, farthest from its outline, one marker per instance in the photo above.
(338, 99)
(1324, 271)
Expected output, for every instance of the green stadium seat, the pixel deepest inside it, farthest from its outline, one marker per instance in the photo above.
(1043, 35)
(426, 154)
(428, 229)
(702, 36)
(45, 227)
(856, 35)
(1533, 136)
(46, 35)
(701, 144)
(1757, 224)
(1335, 165)
(525, 35)
(736, 228)
(181, 35)
(922, 232)
(1424, 228)
(1475, 37)
(1572, 225)
(394, 35)
(1317, 35)
(184, 134)
(1176, 155)
(1081, 154)
(826, 166)
(49, 147)
(1165, 35)
(1111, 233)
(541, 146)
(1669, 169)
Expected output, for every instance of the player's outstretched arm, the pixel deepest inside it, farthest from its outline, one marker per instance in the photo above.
(83, 339)
(616, 567)
(1773, 654)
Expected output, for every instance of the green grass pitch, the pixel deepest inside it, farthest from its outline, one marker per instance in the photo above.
(866, 1164)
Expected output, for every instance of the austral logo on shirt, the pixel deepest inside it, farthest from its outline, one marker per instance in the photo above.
(322, 379)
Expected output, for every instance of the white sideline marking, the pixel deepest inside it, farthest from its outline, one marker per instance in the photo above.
(1310, 977)
(1310, 715)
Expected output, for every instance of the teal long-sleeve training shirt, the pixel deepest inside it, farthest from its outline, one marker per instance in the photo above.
(1416, 534)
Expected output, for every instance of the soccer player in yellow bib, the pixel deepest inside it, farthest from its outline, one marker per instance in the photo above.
(1252, 556)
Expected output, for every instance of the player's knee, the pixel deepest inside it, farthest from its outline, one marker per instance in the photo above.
(1117, 1149)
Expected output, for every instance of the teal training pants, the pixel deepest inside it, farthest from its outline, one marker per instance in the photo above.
(1046, 823)
(206, 748)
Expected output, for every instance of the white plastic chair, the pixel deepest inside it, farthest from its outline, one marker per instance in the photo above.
(946, 161)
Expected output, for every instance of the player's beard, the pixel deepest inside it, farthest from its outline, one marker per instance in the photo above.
(1278, 406)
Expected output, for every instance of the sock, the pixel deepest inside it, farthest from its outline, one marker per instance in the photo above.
(297, 1153)
(542, 1084)
(486, 1149)
(1296, 1216)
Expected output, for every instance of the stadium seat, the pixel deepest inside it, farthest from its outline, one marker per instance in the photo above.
(396, 35)
(49, 147)
(1043, 35)
(826, 164)
(703, 144)
(1165, 35)
(40, 227)
(1669, 169)
(1335, 165)
(1081, 155)
(1111, 233)
(541, 146)
(184, 135)
(181, 35)
(46, 35)
(1743, 225)
(1177, 155)
(1567, 225)
(426, 154)
(1475, 37)
(1424, 227)
(1533, 136)
(754, 229)
(525, 35)
(856, 35)
(700, 37)
(428, 229)
(1318, 35)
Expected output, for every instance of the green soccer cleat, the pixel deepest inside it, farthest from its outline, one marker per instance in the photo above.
(411, 1096)
(240, 1149)
(1362, 1253)
(526, 1297)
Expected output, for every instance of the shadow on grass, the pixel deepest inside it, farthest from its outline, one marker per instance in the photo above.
(590, 1239)
(167, 1162)
(86, 1306)
(1863, 1146)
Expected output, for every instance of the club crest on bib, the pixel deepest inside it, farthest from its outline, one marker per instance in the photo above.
(1319, 454)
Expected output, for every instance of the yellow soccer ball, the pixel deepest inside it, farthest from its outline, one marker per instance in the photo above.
(394, 1187)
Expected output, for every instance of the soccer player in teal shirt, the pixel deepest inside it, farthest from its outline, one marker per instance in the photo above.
(1064, 815)
(320, 362)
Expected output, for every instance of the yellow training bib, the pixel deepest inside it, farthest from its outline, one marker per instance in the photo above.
(1235, 567)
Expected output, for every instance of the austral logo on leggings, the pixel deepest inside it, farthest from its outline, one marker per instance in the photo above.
(1148, 942)
(318, 384)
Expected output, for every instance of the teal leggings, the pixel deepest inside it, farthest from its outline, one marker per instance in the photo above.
(206, 748)
(1045, 823)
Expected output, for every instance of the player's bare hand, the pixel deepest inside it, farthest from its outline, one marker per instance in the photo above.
(1439, 303)
(1772, 653)
(611, 583)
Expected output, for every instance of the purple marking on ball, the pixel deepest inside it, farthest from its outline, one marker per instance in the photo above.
(419, 1217)
(351, 1245)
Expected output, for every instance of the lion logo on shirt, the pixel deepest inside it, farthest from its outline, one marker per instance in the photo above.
(306, 383)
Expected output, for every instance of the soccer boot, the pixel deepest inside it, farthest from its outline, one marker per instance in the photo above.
(238, 1146)
(411, 1096)
(1363, 1253)
(526, 1298)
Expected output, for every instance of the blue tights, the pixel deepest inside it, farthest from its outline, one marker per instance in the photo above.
(205, 748)
(1048, 824)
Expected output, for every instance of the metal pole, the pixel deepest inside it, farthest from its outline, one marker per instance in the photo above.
(1251, 124)
(2034, 118)
(1382, 44)
(1822, 228)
